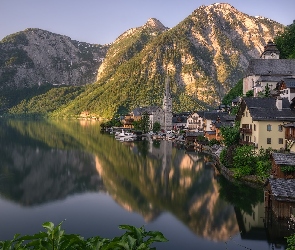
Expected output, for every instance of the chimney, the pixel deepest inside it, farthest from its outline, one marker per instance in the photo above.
(279, 103)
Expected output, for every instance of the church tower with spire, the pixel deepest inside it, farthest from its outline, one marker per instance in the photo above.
(167, 106)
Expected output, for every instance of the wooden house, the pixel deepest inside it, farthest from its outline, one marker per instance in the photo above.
(280, 189)
(128, 121)
(194, 139)
(280, 197)
(283, 166)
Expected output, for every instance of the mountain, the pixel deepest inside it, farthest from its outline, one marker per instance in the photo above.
(35, 57)
(204, 56)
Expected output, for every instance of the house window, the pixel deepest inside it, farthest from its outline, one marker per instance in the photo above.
(268, 140)
(254, 127)
(268, 127)
(281, 140)
(254, 139)
(246, 114)
(280, 128)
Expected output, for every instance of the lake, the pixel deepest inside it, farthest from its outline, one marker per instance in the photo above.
(69, 170)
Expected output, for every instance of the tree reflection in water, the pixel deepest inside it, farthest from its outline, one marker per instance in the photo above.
(47, 161)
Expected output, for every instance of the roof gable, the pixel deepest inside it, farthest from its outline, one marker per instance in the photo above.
(284, 159)
(265, 109)
(282, 189)
(283, 67)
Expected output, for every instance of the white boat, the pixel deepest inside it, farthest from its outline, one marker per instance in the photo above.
(125, 135)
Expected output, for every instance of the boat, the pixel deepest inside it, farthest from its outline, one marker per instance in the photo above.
(125, 135)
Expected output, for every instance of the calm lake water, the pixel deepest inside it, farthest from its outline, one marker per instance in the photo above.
(57, 170)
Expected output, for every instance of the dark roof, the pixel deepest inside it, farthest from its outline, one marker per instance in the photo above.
(194, 134)
(236, 100)
(290, 125)
(283, 189)
(228, 118)
(223, 124)
(182, 114)
(269, 78)
(290, 82)
(210, 132)
(278, 67)
(140, 110)
(179, 119)
(270, 47)
(200, 113)
(265, 109)
(284, 159)
(214, 115)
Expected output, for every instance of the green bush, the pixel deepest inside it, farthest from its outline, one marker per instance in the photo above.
(54, 238)
(214, 142)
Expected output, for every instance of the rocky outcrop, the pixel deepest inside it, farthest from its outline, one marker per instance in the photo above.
(35, 57)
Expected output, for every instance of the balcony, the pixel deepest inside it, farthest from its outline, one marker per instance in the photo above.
(241, 142)
(290, 137)
(246, 130)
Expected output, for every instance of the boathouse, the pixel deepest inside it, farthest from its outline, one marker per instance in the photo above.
(280, 189)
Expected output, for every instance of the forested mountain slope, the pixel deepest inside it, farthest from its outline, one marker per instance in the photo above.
(204, 56)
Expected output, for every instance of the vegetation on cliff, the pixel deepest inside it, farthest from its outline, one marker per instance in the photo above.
(285, 42)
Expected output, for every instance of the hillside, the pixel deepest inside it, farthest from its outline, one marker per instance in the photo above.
(204, 56)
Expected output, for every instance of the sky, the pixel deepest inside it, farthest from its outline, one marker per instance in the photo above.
(102, 21)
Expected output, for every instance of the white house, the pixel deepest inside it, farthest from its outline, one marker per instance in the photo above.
(268, 70)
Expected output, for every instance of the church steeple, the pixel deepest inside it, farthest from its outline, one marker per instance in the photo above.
(270, 51)
(167, 106)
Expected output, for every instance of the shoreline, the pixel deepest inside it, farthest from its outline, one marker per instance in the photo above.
(250, 180)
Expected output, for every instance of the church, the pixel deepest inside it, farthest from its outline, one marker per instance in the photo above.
(163, 114)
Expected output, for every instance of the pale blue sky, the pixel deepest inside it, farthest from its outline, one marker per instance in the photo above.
(102, 21)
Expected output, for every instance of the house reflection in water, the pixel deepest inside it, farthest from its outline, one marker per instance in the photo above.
(252, 225)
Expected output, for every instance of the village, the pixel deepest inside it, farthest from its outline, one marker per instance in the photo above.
(265, 122)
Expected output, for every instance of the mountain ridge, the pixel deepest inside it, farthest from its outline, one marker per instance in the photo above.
(204, 56)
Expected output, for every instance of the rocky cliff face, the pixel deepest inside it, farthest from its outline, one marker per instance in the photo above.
(206, 54)
(35, 57)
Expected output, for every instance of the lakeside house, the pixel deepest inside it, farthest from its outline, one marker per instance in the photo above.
(283, 165)
(262, 121)
(179, 120)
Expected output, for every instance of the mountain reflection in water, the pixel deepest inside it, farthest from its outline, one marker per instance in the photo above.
(43, 162)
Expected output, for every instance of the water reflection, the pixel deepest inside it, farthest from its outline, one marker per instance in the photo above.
(43, 162)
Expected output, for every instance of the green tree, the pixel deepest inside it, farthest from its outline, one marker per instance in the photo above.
(236, 91)
(244, 160)
(156, 127)
(143, 124)
(250, 93)
(285, 42)
(267, 91)
(230, 135)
